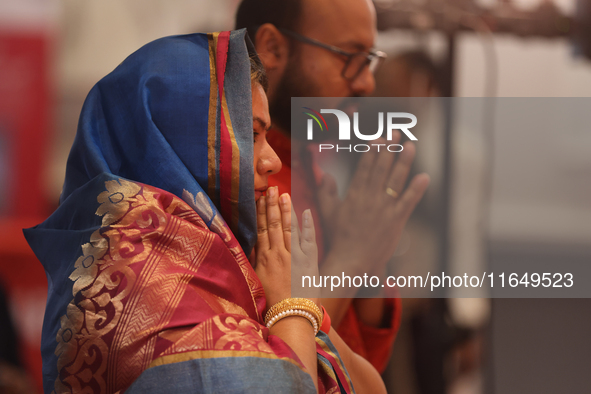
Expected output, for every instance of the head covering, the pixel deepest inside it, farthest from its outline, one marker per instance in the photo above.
(177, 115)
(148, 293)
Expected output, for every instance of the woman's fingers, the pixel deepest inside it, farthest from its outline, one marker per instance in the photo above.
(274, 219)
(285, 204)
(262, 232)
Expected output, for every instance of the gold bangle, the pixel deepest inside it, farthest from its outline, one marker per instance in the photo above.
(301, 304)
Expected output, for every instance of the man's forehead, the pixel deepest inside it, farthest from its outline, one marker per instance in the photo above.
(340, 21)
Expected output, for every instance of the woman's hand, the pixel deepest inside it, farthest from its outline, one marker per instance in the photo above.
(280, 244)
(281, 248)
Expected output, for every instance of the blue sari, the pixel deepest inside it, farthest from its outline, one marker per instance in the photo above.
(150, 289)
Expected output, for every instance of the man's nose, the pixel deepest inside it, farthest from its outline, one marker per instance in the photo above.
(364, 83)
(269, 163)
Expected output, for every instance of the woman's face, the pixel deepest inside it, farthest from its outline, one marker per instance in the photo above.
(266, 161)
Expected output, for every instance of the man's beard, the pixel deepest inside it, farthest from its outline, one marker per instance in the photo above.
(292, 84)
(295, 83)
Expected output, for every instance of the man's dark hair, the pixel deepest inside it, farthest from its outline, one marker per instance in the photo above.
(252, 14)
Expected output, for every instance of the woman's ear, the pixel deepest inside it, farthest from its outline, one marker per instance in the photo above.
(272, 47)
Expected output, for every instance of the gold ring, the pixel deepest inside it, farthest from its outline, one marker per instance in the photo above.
(391, 192)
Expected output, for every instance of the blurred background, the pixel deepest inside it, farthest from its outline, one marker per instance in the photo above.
(53, 51)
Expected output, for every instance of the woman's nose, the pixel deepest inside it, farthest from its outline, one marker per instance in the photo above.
(269, 163)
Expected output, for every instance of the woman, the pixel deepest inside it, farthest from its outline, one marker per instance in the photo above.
(150, 289)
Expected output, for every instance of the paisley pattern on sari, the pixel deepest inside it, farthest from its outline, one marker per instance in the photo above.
(140, 297)
(150, 288)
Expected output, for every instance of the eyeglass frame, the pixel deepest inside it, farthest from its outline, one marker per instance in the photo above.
(381, 56)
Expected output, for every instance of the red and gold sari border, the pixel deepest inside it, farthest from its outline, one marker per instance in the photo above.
(229, 157)
(205, 354)
(212, 158)
(327, 352)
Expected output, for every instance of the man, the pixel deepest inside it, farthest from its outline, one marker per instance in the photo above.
(324, 48)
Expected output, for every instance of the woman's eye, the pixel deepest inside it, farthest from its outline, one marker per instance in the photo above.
(255, 136)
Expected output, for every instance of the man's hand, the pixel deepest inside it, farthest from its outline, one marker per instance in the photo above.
(364, 229)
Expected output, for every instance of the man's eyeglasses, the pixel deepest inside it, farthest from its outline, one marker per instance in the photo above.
(356, 61)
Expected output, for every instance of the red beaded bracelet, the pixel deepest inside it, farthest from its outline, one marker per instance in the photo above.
(325, 327)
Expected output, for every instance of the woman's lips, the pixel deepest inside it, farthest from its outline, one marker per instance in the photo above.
(259, 192)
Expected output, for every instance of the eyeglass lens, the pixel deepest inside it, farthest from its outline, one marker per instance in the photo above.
(358, 62)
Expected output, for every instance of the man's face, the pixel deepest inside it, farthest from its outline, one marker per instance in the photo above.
(316, 72)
